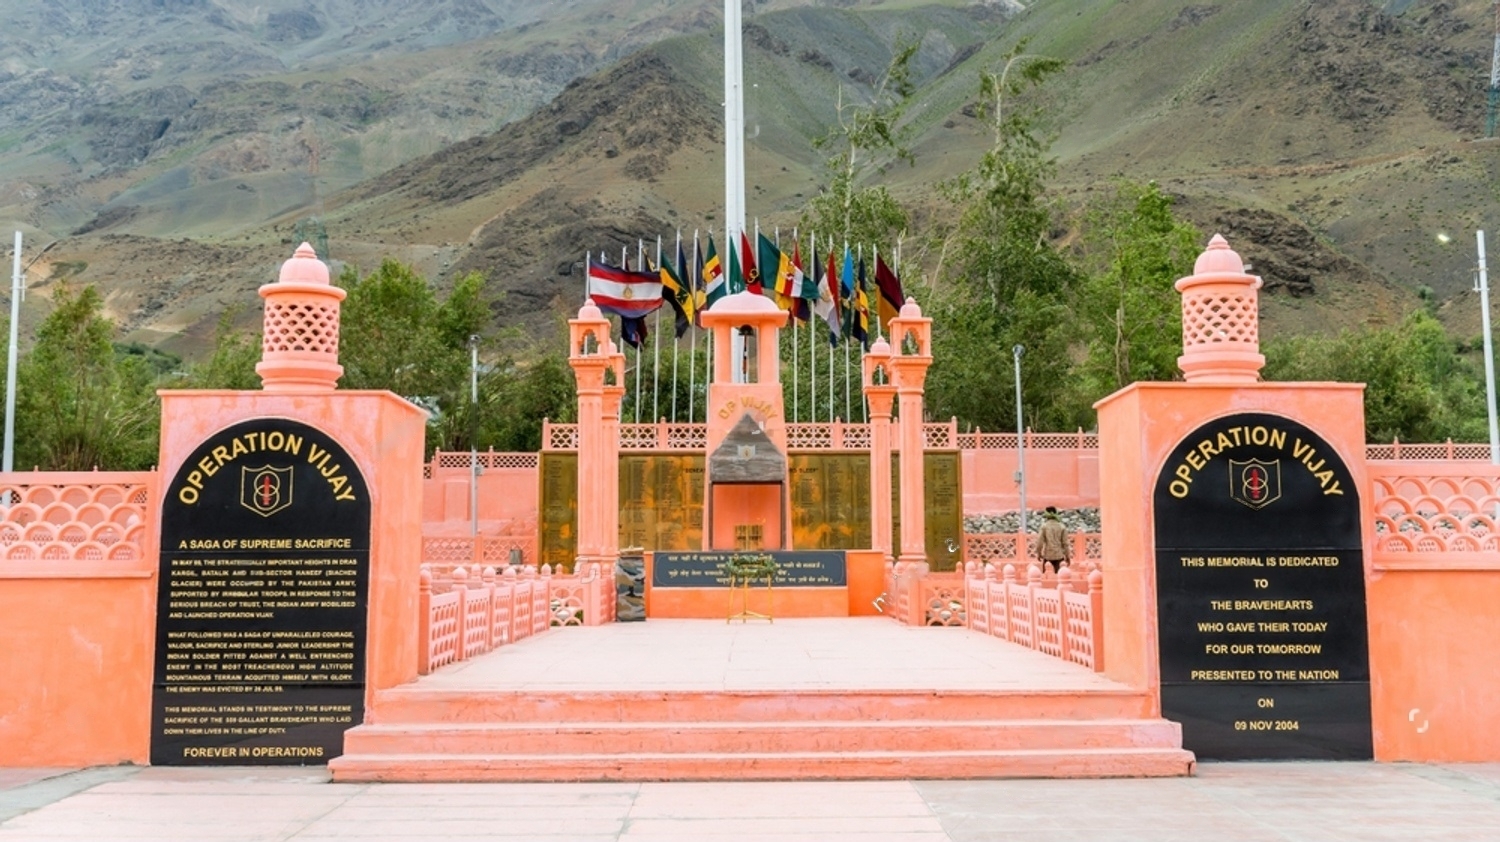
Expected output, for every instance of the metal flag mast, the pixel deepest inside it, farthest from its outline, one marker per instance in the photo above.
(734, 124)
(696, 277)
(656, 350)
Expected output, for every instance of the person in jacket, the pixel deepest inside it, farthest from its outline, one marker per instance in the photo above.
(1052, 544)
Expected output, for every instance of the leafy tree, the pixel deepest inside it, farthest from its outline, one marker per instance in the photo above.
(868, 136)
(79, 405)
(522, 396)
(1416, 387)
(999, 280)
(231, 364)
(394, 334)
(1129, 314)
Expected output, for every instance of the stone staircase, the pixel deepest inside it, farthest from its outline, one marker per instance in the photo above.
(418, 734)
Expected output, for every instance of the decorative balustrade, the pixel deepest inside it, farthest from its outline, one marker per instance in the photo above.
(61, 522)
(489, 460)
(1003, 547)
(1063, 618)
(1444, 452)
(980, 440)
(463, 616)
(1442, 515)
(446, 552)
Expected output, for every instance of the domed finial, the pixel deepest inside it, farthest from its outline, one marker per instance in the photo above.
(1220, 319)
(880, 347)
(910, 310)
(1219, 258)
(300, 336)
(590, 311)
(304, 267)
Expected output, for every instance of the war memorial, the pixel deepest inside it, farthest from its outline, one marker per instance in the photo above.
(295, 585)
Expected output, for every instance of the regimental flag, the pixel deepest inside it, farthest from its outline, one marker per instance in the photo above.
(677, 293)
(846, 280)
(735, 274)
(633, 331)
(802, 304)
(827, 305)
(890, 298)
(770, 257)
(711, 275)
(858, 310)
(747, 264)
(627, 294)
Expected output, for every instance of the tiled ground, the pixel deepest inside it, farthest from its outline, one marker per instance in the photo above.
(870, 653)
(1228, 802)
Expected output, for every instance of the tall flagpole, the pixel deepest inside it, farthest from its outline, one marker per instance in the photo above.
(656, 349)
(17, 292)
(693, 354)
(640, 253)
(734, 124)
(812, 376)
(681, 280)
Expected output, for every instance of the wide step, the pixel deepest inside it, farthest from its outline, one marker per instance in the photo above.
(1080, 763)
(726, 737)
(475, 707)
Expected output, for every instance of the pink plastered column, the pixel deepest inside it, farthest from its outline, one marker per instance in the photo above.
(589, 358)
(614, 400)
(880, 391)
(911, 356)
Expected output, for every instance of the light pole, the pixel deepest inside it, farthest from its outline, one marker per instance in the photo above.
(17, 292)
(1017, 351)
(474, 435)
(1489, 353)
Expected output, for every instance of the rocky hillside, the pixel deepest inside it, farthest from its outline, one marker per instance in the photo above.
(172, 147)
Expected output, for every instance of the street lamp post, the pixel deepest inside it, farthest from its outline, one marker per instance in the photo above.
(1017, 351)
(1489, 353)
(17, 292)
(474, 435)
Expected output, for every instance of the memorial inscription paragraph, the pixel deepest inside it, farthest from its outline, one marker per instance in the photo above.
(1261, 614)
(262, 599)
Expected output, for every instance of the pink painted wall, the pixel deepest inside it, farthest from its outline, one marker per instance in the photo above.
(75, 665)
(506, 495)
(1066, 478)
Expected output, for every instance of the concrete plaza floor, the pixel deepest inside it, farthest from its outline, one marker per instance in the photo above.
(1225, 802)
(828, 653)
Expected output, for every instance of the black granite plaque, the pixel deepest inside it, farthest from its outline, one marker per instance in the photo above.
(1260, 594)
(799, 569)
(262, 597)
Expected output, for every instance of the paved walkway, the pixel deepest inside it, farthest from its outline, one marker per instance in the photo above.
(843, 653)
(1227, 802)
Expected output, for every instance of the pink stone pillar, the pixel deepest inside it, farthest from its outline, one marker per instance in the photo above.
(1220, 319)
(300, 337)
(880, 391)
(614, 400)
(911, 356)
(588, 357)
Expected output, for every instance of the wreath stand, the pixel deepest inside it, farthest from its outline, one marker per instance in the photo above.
(743, 571)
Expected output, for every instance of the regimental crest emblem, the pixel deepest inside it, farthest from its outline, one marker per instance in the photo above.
(266, 490)
(1254, 482)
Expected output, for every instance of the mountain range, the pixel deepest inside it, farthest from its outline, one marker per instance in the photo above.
(173, 152)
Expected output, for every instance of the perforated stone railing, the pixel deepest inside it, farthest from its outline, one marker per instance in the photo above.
(464, 616)
(1434, 515)
(443, 553)
(1003, 547)
(1062, 616)
(76, 523)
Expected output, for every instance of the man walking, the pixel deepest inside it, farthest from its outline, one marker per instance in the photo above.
(1052, 545)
